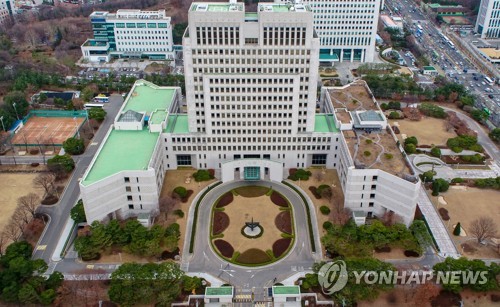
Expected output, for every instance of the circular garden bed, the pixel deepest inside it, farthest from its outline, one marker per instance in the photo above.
(262, 204)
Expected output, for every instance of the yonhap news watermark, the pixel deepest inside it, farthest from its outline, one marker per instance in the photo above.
(333, 277)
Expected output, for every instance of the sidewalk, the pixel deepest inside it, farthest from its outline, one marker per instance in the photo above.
(443, 240)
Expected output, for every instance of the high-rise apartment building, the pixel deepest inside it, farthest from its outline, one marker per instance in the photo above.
(488, 19)
(5, 10)
(346, 29)
(129, 34)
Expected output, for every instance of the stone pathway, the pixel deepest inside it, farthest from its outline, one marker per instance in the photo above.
(441, 235)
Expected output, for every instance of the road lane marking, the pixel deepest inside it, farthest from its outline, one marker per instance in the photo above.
(41, 247)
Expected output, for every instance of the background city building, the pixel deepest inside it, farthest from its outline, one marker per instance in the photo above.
(129, 34)
(488, 19)
(346, 29)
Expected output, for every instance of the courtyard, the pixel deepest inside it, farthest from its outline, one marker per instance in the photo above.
(464, 205)
(260, 204)
(428, 130)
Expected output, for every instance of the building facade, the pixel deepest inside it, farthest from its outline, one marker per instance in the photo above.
(488, 19)
(6, 7)
(252, 114)
(347, 29)
(129, 34)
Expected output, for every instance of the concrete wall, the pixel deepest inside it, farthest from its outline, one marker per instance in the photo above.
(110, 194)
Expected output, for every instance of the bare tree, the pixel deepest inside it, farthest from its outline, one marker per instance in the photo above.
(29, 202)
(483, 228)
(46, 182)
(20, 219)
(89, 288)
(167, 203)
(318, 175)
(3, 242)
(390, 218)
(11, 232)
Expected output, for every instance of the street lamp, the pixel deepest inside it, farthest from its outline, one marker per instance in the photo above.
(1, 119)
(14, 105)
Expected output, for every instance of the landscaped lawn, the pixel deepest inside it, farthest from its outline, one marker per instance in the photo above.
(247, 203)
(176, 178)
(428, 130)
(465, 206)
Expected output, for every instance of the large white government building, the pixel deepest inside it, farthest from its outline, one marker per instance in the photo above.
(252, 114)
(346, 29)
(129, 34)
(488, 19)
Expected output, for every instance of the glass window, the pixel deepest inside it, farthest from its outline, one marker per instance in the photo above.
(163, 25)
(141, 25)
(151, 25)
(183, 160)
(130, 25)
(319, 159)
(120, 25)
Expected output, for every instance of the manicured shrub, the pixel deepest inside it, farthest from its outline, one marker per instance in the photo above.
(388, 156)
(253, 256)
(457, 180)
(224, 247)
(283, 222)
(436, 152)
(411, 140)
(35, 164)
(278, 199)
(410, 149)
(394, 115)
(280, 246)
(457, 229)
(369, 141)
(367, 153)
(202, 175)
(179, 213)
(383, 249)
(225, 200)
(444, 214)
(324, 210)
(300, 174)
(181, 192)
(220, 222)
(327, 225)
(442, 184)
(74, 146)
(34, 151)
(409, 253)
(314, 191)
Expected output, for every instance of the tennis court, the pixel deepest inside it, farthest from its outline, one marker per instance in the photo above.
(47, 130)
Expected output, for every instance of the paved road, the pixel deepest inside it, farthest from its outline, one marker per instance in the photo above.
(59, 213)
(204, 259)
(482, 137)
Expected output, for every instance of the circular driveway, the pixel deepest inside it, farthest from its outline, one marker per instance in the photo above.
(204, 259)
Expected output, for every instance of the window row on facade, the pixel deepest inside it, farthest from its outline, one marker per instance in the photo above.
(254, 139)
(233, 148)
(268, 51)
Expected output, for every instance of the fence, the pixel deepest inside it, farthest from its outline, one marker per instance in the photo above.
(54, 113)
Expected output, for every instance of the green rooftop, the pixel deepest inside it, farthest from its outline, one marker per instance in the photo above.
(157, 117)
(216, 7)
(325, 123)
(147, 97)
(219, 291)
(281, 8)
(177, 123)
(123, 150)
(286, 290)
